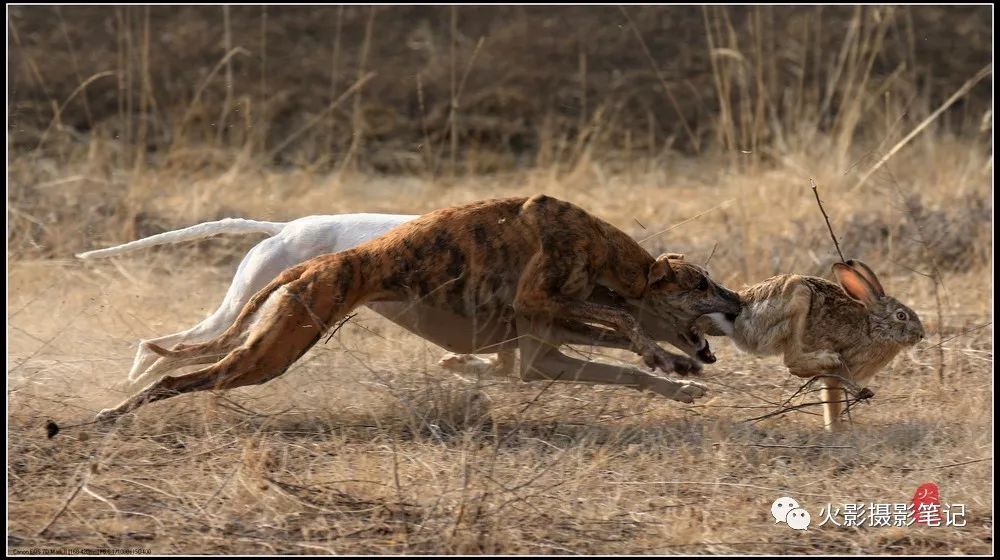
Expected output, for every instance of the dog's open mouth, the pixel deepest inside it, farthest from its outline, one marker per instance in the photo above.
(705, 354)
(698, 340)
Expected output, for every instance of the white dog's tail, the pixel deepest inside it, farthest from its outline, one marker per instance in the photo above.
(199, 231)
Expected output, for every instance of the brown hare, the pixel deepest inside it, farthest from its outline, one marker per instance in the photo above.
(851, 330)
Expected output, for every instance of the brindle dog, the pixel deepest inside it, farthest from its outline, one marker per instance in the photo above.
(479, 277)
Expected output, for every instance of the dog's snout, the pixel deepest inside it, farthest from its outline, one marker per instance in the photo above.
(733, 299)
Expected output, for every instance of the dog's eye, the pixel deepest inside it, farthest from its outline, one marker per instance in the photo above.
(702, 284)
(902, 316)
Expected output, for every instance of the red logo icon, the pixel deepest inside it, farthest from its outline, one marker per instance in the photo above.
(927, 505)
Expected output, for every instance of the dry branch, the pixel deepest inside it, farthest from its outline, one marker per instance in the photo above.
(985, 71)
(854, 395)
(62, 509)
(827, 218)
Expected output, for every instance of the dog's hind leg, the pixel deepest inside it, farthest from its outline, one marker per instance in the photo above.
(164, 364)
(262, 264)
(252, 314)
(281, 323)
(251, 364)
(147, 362)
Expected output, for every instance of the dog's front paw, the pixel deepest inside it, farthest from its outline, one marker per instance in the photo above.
(657, 358)
(684, 365)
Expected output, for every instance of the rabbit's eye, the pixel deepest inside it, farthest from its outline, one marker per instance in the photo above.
(902, 316)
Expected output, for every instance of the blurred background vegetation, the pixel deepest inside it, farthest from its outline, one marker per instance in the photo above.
(435, 89)
(129, 120)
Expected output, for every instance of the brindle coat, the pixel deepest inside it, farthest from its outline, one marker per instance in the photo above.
(484, 276)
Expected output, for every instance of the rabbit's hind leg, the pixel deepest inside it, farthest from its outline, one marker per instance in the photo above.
(798, 361)
(818, 362)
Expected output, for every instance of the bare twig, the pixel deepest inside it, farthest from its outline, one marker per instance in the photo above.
(339, 325)
(853, 395)
(358, 125)
(691, 219)
(452, 123)
(932, 467)
(784, 410)
(710, 255)
(318, 118)
(69, 499)
(959, 335)
(227, 40)
(60, 108)
(827, 218)
(802, 388)
(711, 483)
(189, 112)
(454, 103)
(912, 210)
(91, 468)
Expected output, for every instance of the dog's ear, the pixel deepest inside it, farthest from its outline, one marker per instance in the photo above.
(869, 275)
(856, 286)
(661, 269)
(674, 256)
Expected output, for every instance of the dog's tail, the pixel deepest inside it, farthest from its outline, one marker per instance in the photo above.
(199, 231)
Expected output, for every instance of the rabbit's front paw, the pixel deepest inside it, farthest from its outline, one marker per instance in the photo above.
(824, 359)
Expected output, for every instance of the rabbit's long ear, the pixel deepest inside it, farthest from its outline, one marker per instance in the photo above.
(863, 270)
(856, 286)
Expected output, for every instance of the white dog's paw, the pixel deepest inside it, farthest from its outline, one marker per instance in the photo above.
(453, 361)
(678, 390)
(691, 390)
(467, 363)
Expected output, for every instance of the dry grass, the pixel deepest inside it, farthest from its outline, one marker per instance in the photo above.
(365, 446)
(484, 87)
(127, 121)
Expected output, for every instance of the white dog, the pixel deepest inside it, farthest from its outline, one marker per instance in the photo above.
(289, 244)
